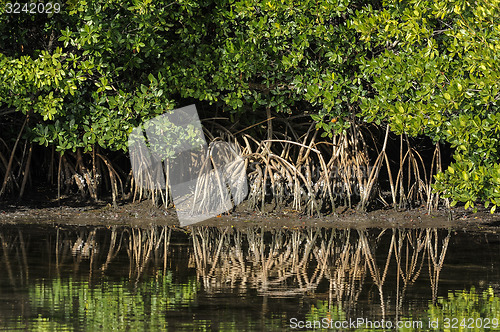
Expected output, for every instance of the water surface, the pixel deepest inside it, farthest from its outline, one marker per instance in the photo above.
(162, 278)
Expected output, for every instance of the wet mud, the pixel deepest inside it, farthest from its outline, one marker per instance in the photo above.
(142, 214)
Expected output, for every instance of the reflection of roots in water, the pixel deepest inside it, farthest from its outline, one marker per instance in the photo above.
(143, 247)
(409, 246)
(277, 263)
(289, 263)
(85, 248)
(283, 263)
(8, 243)
(347, 274)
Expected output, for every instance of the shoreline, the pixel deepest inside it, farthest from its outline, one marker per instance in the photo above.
(143, 214)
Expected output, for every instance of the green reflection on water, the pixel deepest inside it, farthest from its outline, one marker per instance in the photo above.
(248, 279)
(468, 307)
(66, 304)
(155, 304)
(459, 311)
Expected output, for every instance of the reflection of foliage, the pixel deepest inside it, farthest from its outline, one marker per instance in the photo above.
(462, 305)
(65, 304)
(344, 268)
(466, 305)
(321, 310)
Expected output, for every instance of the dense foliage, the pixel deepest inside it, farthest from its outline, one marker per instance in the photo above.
(435, 70)
(85, 77)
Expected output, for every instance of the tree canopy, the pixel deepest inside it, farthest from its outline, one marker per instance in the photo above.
(86, 76)
(435, 70)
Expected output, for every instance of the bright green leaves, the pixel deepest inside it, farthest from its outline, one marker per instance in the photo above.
(278, 55)
(90, 74)
(437, 72)
(48, 106)
(476, 172)
(466, 182)
(35, 85)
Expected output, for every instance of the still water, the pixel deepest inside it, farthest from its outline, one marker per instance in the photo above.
(253, 279)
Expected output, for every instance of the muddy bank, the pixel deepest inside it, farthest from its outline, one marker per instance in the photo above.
(143, 214)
